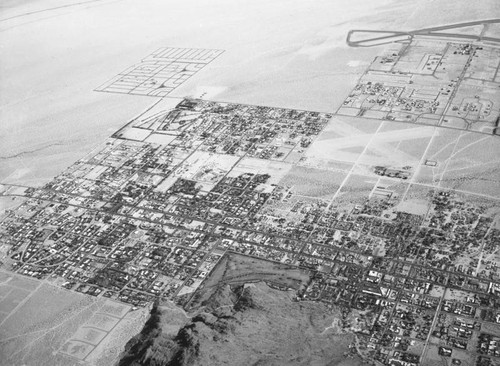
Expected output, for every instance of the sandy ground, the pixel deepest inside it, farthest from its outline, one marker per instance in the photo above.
(43, 325)
(285, 53)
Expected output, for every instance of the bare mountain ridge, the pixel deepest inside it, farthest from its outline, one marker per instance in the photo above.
(244, 324)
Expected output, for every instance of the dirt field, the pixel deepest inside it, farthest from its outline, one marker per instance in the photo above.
(313, 182)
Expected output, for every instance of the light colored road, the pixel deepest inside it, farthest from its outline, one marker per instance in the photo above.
(423, 32)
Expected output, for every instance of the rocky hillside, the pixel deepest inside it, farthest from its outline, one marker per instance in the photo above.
(244, 325)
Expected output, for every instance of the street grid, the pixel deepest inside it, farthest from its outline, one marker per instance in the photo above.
(161, 72)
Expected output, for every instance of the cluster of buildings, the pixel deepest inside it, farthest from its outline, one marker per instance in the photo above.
(431, 82)
(389, 98)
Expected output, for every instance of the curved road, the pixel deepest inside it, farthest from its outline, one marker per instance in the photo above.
(430, 32)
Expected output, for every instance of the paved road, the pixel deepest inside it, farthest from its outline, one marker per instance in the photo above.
(431, 32)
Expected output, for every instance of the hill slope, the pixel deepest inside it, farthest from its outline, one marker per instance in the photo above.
(244, 325)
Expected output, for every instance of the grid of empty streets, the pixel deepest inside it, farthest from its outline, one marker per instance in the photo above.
(161, 72)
